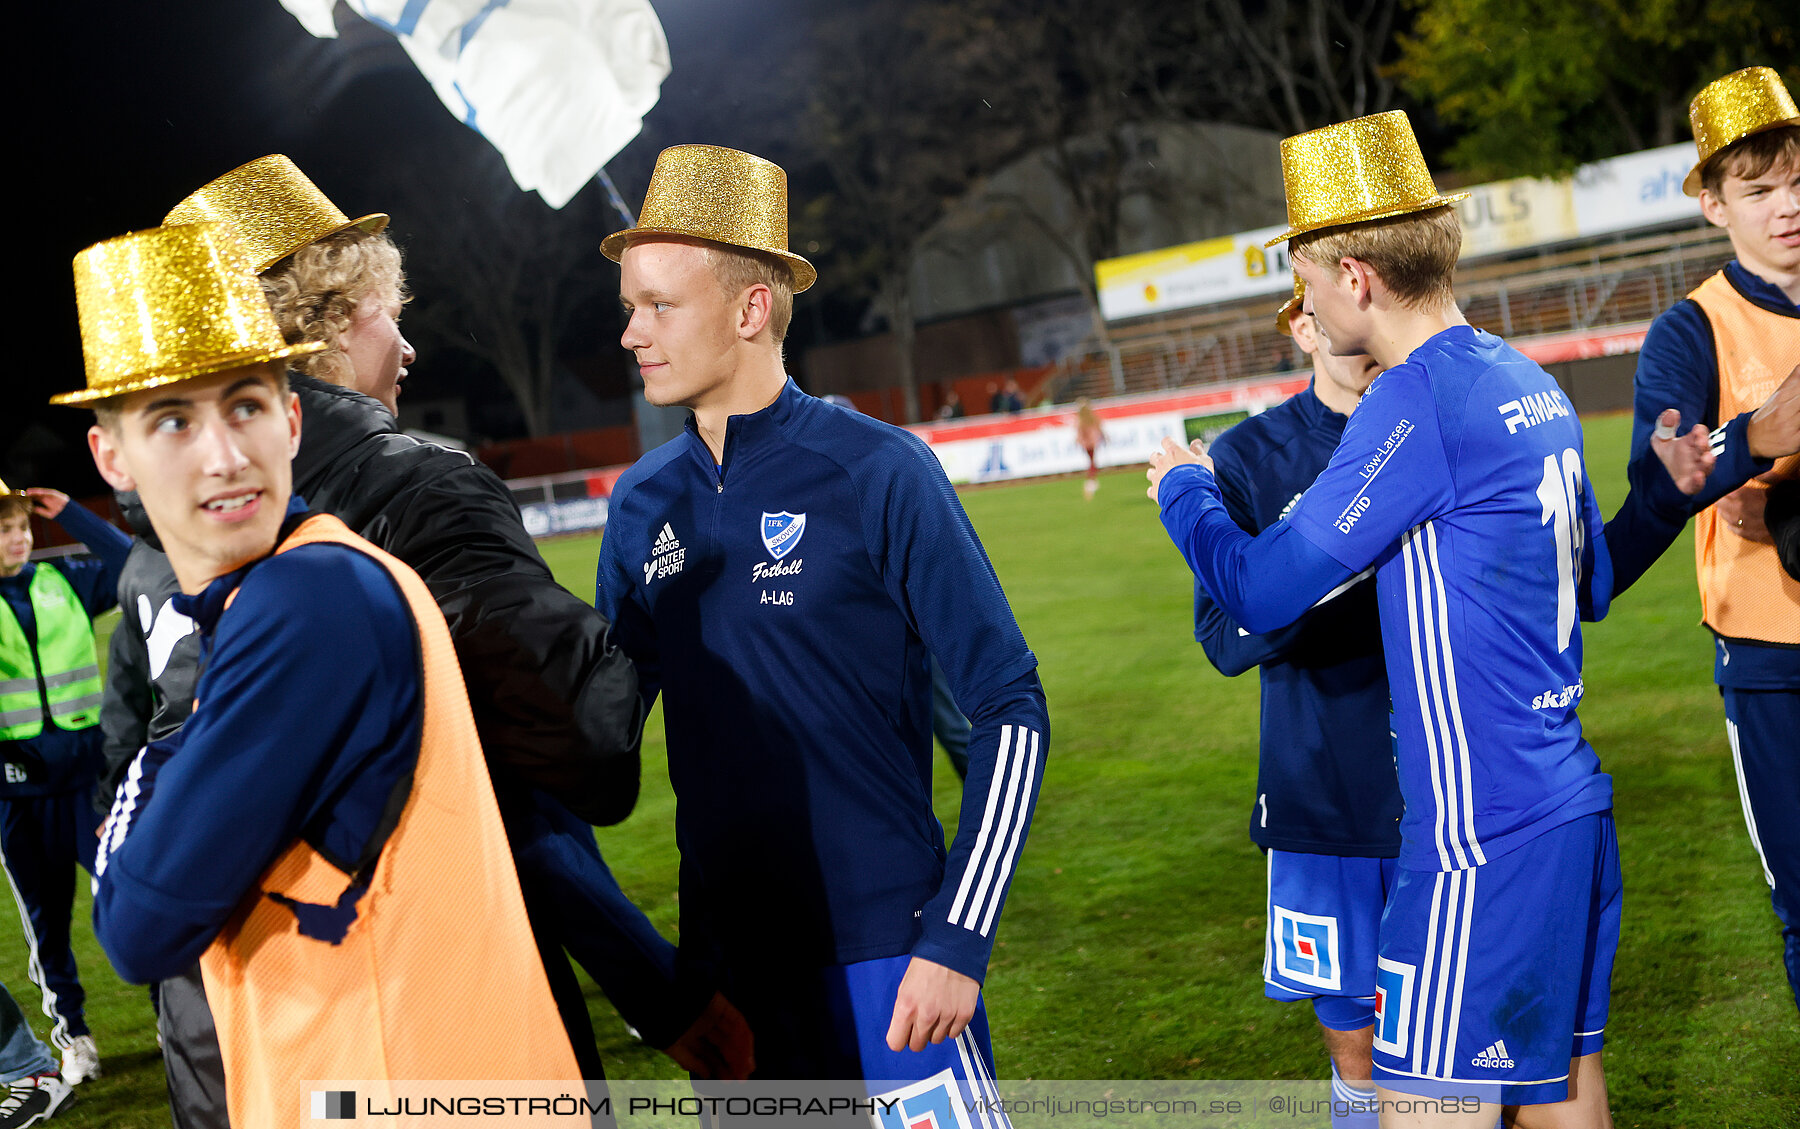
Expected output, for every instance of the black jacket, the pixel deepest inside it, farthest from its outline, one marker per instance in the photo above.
(145, 699)
(555, 702)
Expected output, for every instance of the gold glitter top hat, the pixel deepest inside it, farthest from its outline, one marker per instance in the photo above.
(272, 208)
(169, 304)
(1363, 169)
(721, 195)
(1284, 315)
(4, 489)
(1734, 107)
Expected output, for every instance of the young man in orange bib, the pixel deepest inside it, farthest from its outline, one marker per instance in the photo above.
(323, 835)
(1729, 355)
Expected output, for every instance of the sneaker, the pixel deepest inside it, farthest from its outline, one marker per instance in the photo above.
(31, 1100)
(81, 1061)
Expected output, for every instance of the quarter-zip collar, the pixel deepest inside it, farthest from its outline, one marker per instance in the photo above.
(752, 428)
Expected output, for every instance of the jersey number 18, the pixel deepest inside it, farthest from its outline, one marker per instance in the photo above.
(1561, 494)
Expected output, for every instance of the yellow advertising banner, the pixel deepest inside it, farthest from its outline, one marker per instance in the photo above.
(1621, 194)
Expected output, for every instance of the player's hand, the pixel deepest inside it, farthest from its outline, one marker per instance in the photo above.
(934, 1003)
(1173, 454)
(1742, 510)
(1688, 458)
(46, 502)
(1775, 428)
(718, 1046)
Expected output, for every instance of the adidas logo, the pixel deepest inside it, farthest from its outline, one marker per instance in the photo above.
(666, 555)
(1495, 1057)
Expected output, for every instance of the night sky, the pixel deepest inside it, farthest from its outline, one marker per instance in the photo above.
(128, 107)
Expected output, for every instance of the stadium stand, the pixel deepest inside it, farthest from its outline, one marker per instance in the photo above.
(1590, 288)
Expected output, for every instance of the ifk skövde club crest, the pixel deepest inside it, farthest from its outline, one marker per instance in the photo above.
(781, 532)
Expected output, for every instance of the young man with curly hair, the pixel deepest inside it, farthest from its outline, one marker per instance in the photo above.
(346, 291)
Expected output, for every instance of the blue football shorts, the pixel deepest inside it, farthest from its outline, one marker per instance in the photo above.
(1492, 979)
(830, 1023)
(1323, 929)
(952, 1081)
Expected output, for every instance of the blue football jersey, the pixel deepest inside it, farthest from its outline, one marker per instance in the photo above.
(1461, 477)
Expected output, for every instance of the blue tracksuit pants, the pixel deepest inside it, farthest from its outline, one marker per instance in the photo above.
(42, 838)
(1762, 725)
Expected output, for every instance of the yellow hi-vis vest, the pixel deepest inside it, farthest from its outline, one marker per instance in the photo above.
(439, 975)
(1744, 594)
(64, 656)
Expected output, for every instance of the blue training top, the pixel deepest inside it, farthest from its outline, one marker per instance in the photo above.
(1679, 368)
(1325, 778)
(307, 723)
(58, 760)
(1460, 477)
(786, 604)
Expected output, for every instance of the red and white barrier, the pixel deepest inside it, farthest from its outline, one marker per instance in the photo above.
(1583, 345)
(1040, 442)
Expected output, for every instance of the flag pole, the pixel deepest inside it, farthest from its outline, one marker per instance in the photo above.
(612, 194)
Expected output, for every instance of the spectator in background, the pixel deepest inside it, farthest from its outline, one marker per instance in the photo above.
(1090, 435)
(1012, 401)
(952, 407)
(50, 743)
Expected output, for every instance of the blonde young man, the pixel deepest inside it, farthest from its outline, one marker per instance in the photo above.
(1460, 480)
(1327, 805)
(322, 837)
(1717, 355)
(782, 574)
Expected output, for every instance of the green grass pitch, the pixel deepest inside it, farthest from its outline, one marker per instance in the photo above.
(1131, 945)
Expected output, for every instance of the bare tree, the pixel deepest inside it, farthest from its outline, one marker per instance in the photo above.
(1300, 65)
(1068, 80)
(499, 274)
(916, 102)
(1070, 83)
(898, 138)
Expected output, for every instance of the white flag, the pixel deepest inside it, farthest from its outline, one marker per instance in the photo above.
(558, 86)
